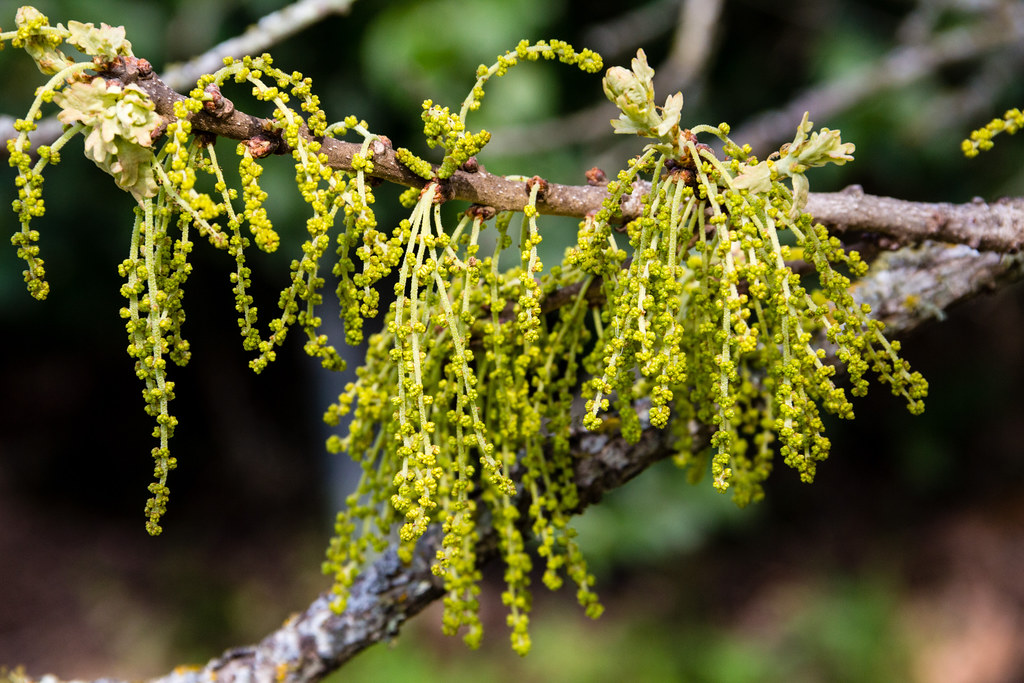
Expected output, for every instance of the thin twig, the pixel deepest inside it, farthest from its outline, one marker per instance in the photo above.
(899, 67)
(995, 226)
(267, 32)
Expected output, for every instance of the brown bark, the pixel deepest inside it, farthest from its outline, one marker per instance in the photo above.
(997, 226)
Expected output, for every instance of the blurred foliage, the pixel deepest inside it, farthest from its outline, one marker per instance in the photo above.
(837, 629)
(377, 63)
(408, 64)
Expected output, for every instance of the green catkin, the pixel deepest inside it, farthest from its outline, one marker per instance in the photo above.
(980, 140)
(461, 414)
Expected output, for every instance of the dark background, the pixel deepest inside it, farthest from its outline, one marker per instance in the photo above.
(900, 563)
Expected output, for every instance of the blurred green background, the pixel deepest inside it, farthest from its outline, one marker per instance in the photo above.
(900, 563)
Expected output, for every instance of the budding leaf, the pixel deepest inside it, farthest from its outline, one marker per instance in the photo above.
(633, 93)
(122, 122)
(756, 179)
(105, 42)
(820, 148)
(41, 45)
(670, 114)
(806, 151)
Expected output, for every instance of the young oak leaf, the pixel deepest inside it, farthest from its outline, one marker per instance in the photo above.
(633, 93)
(41, 40)
(105, 42)
(121, 123)
(821, 147)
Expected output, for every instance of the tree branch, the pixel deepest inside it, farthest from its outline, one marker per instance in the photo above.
(901, 66)
(937, 274)
(318, 641)
(906, 288)
(387, 594)
(267, 32)
(909, 287)
(995, 227)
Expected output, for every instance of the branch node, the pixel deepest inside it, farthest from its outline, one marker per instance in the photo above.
(542, 186)
(126, 69)
(596, 177)
(261, 146)
(161, 130)
(204, 138)
(381, 145)
(481, 211)
(218, 105)
(442, 190)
